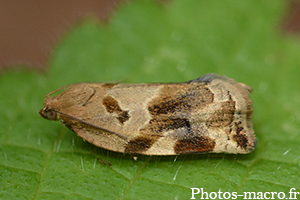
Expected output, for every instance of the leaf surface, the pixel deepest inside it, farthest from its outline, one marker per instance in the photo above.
(148, 42)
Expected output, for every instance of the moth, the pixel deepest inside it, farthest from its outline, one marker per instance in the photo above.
(208, 114)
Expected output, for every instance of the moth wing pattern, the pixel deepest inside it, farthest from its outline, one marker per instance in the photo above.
(208, 114)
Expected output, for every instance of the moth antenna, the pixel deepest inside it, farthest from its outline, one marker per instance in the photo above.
(93, 125)
(63, 87)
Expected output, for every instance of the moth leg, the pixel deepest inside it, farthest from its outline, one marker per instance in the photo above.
(104, 162)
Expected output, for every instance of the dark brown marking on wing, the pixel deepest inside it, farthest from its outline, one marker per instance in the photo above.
(112, 106)
(196, 144)
(181, 98)
(169, 106)
(140, 144)
(166, 124)
(223, 116)
(123, 116)
(240, 137)
(241, 140)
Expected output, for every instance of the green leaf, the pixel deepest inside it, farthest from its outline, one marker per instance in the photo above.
(148, 42)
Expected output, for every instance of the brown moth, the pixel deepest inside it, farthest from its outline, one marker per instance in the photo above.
(209, 114)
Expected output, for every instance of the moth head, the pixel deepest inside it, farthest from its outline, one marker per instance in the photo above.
(51, 108)
(49, 114)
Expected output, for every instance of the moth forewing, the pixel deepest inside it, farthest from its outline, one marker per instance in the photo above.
(208, 114)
